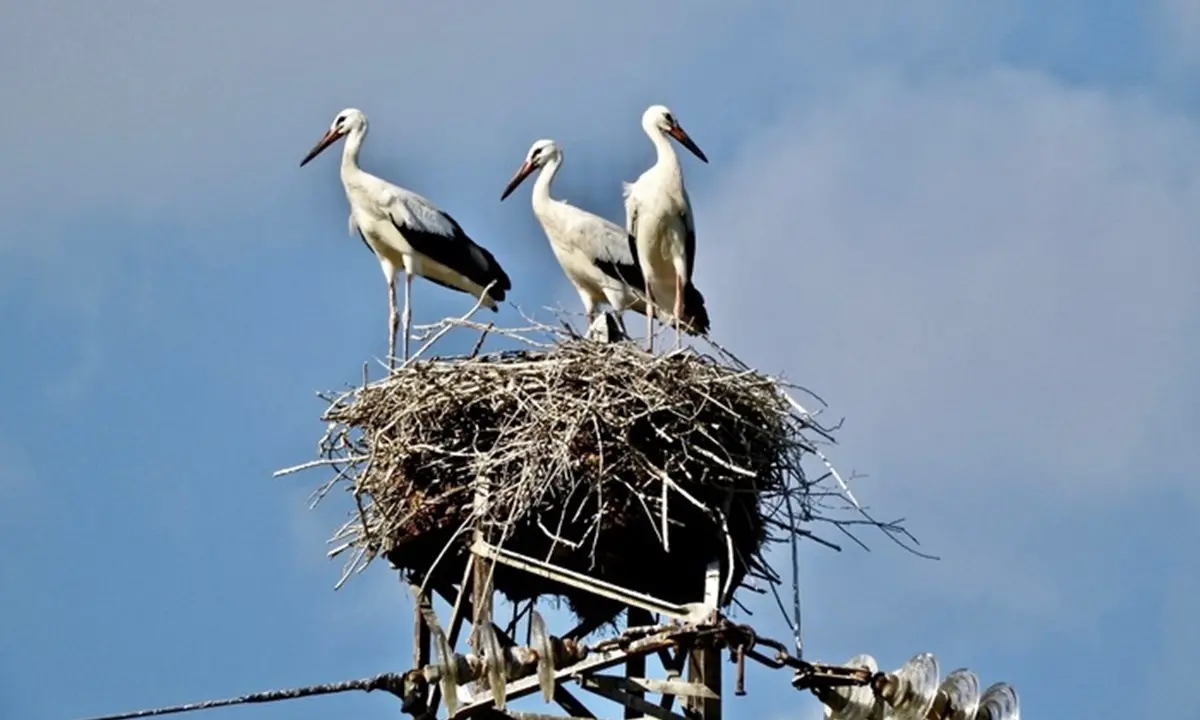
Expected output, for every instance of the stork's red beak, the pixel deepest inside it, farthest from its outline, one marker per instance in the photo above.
(326, 140)
(522, 173)
(677, 132)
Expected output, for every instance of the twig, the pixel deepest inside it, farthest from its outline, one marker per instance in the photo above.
(318, 463)
(430, 343)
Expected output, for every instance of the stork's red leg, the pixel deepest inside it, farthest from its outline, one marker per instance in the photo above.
(649, 318)
(407, 310)
(393, 321)
(678, 310)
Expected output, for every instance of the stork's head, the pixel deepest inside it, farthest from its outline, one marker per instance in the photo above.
(660, 119)
(343, 124)
(539, 155)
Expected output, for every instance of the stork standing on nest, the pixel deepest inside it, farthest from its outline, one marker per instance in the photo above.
(405, 230)
(658, 215)
(597, 256)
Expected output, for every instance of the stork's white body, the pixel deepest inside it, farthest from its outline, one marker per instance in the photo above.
(581, 241)
(596, 255)
(658, 214)
(659, 203)
(576, 236)
(406, 231)
(379, 209)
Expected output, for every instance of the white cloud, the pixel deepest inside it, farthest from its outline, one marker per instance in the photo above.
(993, 279)
(158, 103)
(1001, 246)
(149, 117)
(1178, 22)
(155, 103)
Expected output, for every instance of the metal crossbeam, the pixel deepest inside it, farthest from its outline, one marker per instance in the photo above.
(601, 660)
(680, 688)
(625, 596)
(609, 691)
(704, 661)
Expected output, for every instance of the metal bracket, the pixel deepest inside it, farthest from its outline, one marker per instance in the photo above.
(605, 688)
(595, 661)
(678, 688)
(690, 612)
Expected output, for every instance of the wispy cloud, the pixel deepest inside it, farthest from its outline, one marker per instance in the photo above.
(992, 278)
(1001, 241)
(1178, 23)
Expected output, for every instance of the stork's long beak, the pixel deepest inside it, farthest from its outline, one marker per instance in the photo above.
(325, 141)
(686, 141)
(522, 173)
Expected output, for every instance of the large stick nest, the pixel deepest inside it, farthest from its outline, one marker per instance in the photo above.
(638, 469)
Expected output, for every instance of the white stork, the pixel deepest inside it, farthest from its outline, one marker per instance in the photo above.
(405, 230)
(659, 217)
(597, 256)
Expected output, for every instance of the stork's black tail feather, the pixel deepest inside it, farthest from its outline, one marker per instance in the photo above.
(490, 271)
(695, 314)
(458, 253)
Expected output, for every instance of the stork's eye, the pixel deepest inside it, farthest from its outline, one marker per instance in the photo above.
(670, 120)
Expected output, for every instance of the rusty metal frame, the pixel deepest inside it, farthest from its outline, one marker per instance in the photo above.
(700, 693)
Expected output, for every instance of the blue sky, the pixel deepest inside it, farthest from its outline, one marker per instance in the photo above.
(972, 231)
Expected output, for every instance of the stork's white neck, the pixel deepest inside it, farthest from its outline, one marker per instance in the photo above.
(350, 151)
(667, 159)
(541, 186)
